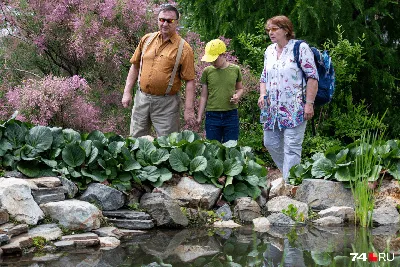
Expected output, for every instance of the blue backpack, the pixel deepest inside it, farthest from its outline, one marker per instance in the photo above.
(326, 73)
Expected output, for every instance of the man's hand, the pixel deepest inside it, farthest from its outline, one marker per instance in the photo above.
(235, 99)
(308, 111)
(126, 99)
(189, 116)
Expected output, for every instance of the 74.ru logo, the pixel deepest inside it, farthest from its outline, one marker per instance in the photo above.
(372, 257)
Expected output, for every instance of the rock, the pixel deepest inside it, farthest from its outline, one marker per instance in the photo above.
(328, 221)
(321, 194)
(106, 197)
(224, 212)
(50, 182)
(16, 198)
(132, 224)
(83, 240)
(64, 244)
(278, 204)
(49, 231)
(74, 214)
(280, 219)
(4, 239)
(17, 245)
(127, 214)
(109, 242)
(226, 224)
(14, 174)
(261, 224)
(163, 210)
(48, 198)
(189, 252)
(385, 215)
(246, 209)
(17, 230)
(345, 213)
(70, 187)
(108, 231)
(190, 193)
(4, 217)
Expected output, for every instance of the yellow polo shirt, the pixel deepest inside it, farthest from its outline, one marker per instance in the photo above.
(158, 63)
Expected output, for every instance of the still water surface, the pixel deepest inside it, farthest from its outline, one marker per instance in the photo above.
(281, 246)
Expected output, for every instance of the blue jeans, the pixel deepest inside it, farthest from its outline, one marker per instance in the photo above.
(222, 125)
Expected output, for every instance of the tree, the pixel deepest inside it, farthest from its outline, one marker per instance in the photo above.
(316, 21)
(92, 39)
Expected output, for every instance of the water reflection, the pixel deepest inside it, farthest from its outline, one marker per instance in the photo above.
(280, 246)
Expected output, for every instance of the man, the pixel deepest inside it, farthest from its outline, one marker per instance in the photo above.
(155, 101)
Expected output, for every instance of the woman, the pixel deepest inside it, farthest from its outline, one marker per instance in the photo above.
(286, 96)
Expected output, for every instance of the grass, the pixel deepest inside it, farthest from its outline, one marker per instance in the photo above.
(366, 171)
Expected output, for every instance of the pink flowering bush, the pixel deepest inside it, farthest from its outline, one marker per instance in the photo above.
(55, 101)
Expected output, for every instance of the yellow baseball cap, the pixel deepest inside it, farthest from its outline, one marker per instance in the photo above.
(214, 48)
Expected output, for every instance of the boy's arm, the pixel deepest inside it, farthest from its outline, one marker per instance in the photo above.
(239, 92)
(203, 102)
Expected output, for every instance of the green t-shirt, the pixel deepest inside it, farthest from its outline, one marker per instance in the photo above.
(221, 85)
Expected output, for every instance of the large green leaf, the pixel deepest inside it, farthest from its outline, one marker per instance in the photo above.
(254, 191)
(158, 156)
(229, 189)
(96, 175)
(395, 170)
(198, 164)
(163, 141)
(50, 163)
(115, 148)
(130, 165)
(93, 154)
(200, 177)
(71, 136)
(253, 168)
(145, 146)
(195, 149)
(29, 168)
(230, 144)
(374, 174)
(73, 154)
(341, 156)
(150, 173)
(241, 190)
(165, 175)
(211, 151)
(322, 167)
(15, 134)
(97, 136)
(87, 146)
(232, 167)
(179, 160)
(252, 179)
(186, 136)
(342, 174)
(58, 137)
(40, 138)
(214, 169)
(5, 145)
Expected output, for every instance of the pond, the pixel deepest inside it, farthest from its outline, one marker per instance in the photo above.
(281, 246)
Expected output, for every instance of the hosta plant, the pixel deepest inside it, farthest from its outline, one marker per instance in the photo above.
(95, 157)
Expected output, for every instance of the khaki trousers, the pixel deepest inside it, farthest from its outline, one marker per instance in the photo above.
(161, 111)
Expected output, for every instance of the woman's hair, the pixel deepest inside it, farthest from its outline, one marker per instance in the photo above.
(284, 23)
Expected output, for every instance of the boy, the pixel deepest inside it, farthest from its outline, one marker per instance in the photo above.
(221, 91)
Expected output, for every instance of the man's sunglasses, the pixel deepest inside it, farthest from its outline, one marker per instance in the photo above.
(273, 29)
(166, 20)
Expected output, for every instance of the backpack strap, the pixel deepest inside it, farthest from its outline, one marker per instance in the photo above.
(178, 58)
(146, 44)
(296, 54)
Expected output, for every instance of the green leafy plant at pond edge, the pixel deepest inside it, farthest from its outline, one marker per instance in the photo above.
(367, 169)
(121, 162)
(292, 212)
(39, 242)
